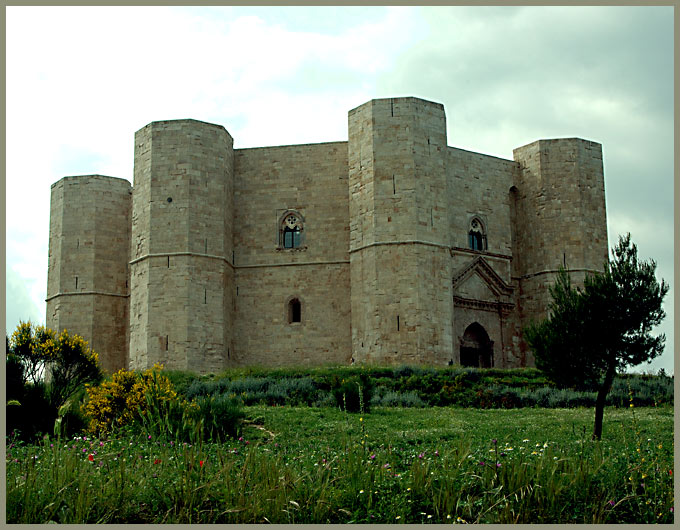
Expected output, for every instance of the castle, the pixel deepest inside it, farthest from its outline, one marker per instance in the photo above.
(388, 248)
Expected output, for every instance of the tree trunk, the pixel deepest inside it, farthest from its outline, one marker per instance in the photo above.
(601, 398)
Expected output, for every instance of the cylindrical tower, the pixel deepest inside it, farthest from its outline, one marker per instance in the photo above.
(87, 278)
(399, 237)
(181, 255)
(560, 217)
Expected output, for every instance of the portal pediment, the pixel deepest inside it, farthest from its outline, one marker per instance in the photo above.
(478, 281)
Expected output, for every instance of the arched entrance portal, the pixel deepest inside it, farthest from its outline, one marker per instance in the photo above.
(476, 349)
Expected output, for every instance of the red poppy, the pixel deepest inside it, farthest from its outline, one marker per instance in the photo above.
(90, 458)
(200, 463)
(157, 461)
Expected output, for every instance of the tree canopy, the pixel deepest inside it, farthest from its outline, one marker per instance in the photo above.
(603, 327)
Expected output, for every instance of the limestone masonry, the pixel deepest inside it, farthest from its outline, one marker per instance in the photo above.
(389, 248)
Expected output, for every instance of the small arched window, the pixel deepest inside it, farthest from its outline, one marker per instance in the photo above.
(294, 311)
(477, 235)
(290, 231)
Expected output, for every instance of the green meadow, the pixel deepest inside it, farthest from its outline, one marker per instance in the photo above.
(302, 464)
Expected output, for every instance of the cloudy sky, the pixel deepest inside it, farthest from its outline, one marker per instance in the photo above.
(82, 80)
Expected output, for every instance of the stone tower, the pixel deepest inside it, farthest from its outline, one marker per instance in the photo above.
(399, 240)
(87, 278)
(560, 218)
(181, 253)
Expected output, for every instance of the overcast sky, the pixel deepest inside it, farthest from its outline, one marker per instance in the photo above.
(82, 80)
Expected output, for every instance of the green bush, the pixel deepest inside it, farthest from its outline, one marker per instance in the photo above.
(397, 399)
(447, 386)
(219, 417)
(354, 394)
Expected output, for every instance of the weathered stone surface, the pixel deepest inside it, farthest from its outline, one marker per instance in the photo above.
(191, 267)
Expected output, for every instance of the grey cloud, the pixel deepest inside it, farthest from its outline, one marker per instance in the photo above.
(19, 306)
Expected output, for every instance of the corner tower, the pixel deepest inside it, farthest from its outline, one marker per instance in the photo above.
(87, 274)
(399, 243)
(182, 239)
(560, 218)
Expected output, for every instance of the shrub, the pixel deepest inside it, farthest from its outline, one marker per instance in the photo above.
(354, 394)
(118, 402)
(397, 399)
(44, 372)
(219, 417)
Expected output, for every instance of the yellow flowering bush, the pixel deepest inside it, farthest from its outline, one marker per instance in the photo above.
(125, 397)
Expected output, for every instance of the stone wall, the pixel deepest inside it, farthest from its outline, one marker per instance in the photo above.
(312, 181)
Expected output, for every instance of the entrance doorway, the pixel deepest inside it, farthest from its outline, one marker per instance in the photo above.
(476, 349)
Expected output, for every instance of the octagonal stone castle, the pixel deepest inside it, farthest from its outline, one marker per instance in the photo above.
(388, 248)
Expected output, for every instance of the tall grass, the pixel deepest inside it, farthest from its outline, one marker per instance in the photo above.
(325, 466)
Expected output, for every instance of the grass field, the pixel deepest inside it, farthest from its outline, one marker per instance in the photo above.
(318, 465)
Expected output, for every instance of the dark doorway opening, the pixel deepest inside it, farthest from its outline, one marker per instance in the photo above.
(476, 349)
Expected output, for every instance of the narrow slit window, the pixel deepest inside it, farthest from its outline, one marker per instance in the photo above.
(294, 311)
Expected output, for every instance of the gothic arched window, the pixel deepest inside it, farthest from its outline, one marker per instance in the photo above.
(477, 235)
(290, 231)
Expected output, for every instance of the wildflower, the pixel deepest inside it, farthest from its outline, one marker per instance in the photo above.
(460, 520)
(660, 446)
(448, 517)
(494, 441)
(498, 464)
(429, 517)
(502, 454)
(361, 419)
(200, 463)
(101, 463)
(372, 457)
(481, 463)
(386, 466)
(90, 458)
(436, 453)
(672, 510)
(246, 442)
(421, 455)
(611, 503)
(534, 453)
(525, 440)
(408, 489)
(361, 491)
(101, 444)
(157, 461)
(149, 437)
(398, 517)
(51, 445)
